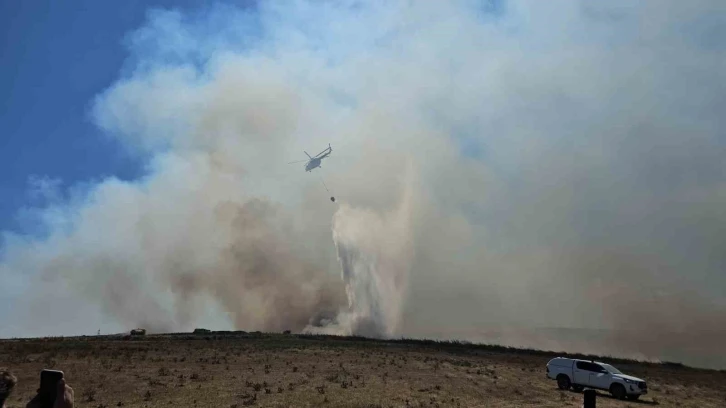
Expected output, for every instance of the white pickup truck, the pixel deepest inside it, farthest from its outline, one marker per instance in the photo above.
(580, 374)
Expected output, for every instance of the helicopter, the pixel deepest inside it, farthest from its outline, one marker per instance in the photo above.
(314, 162)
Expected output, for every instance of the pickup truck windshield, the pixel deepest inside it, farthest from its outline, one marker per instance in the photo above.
(611, 369)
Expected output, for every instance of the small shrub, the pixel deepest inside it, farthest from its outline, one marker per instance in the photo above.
(89, 395)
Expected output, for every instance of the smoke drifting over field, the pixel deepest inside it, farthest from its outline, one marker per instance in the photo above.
(375, 254)
(497, 165)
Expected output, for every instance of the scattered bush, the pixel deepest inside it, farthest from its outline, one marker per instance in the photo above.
(89, 395)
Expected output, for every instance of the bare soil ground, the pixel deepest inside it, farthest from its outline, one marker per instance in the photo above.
(277, 370)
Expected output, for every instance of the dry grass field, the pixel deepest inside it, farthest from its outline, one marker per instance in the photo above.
(277, 370)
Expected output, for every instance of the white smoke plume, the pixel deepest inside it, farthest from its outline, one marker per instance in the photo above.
(375, 253)
(503, 170)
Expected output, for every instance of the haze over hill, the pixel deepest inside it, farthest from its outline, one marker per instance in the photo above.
(496, 164)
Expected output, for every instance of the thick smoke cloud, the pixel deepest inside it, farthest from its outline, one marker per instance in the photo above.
(501, 168)
(375, 252)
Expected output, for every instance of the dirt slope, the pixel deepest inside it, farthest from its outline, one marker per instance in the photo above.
(276, 370)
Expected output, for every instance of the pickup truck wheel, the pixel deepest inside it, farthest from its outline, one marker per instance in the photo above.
(618, 391)
(577, 388)
(563, 382)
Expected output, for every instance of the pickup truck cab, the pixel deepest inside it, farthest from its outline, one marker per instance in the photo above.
(580, 374)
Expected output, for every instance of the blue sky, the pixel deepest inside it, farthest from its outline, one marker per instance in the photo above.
(56, 57)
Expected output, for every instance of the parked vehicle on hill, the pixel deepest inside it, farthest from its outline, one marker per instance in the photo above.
(580, 374)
